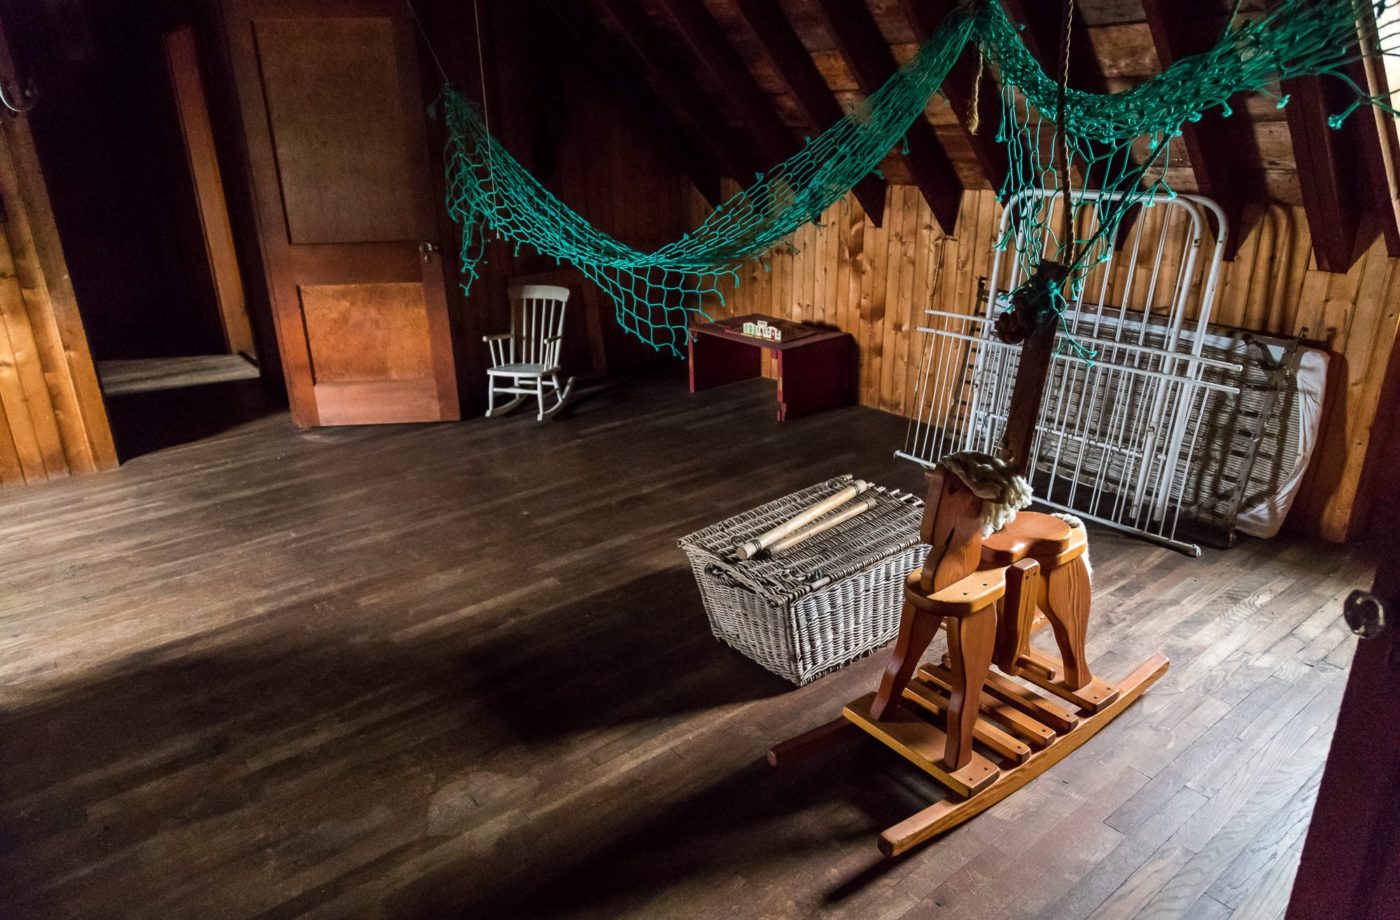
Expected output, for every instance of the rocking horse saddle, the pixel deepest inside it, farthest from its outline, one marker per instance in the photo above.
(1042, 537)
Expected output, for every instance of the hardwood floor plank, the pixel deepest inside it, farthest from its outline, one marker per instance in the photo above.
(463, 670)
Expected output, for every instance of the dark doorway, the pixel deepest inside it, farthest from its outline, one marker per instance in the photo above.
(130, 145)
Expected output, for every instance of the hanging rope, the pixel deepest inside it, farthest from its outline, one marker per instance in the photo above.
(656, 294)
(974, 105)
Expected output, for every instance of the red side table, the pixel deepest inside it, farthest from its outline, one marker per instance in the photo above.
(816, 371)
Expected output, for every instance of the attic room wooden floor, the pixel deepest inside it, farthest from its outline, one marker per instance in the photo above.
(462, 670)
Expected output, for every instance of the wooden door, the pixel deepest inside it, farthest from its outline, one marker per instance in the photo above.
(333, 118)
(1351, 859)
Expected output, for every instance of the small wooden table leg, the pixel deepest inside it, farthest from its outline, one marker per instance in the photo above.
(815, 377)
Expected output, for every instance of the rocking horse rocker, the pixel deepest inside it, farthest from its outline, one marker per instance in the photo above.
(977, 732)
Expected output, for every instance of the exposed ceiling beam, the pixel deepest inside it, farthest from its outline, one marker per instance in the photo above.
(1332, 197)
(1223, 151)
(871, 61)
(804, 81)
(1380, 149)
(710, 49)
(925, 17)
(667, 67)
(1346, 176)
(675, 142)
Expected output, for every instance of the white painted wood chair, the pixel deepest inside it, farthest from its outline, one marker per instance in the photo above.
(525, 361)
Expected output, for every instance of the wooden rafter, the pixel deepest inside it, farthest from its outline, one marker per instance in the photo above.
(1346, 176)
(666, 66)
(1381, 150)
(677, 143)
(710, 49)
(925, 17)
(1223, 151)
(1328, 179)
(871, 61)
(794, 65)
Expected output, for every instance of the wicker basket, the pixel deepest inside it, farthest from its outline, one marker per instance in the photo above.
(821, 604)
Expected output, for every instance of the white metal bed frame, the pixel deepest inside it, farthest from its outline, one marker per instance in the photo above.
(1116, 434)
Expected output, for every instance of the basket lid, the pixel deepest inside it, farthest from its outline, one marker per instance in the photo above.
(888, 528)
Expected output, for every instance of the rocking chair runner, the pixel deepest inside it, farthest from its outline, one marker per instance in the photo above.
(525, 361)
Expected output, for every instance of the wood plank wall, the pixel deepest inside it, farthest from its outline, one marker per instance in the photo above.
(593, 153)
(875, 283)
(52, 420)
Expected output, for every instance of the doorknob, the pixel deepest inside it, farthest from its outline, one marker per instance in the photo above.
(1365, 614)
(427, 250)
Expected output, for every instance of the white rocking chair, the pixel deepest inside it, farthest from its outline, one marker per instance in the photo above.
(525, 361)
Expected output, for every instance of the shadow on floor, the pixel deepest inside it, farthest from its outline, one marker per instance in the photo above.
(249, 734)
(146, 422)
(637, 652)
(723, 837)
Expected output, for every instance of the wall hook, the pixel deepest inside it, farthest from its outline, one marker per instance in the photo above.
(27, 99)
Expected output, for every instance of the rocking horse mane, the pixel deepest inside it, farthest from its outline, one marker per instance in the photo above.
(1002, 491)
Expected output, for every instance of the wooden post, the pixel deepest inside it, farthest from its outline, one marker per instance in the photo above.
(1031, 375)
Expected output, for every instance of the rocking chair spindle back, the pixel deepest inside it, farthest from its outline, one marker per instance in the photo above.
(525, 361)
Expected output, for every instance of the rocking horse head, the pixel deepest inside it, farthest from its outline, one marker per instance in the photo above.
(970, 496)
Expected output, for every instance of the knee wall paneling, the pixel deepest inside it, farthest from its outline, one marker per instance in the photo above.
(875, 282)
(52, 421)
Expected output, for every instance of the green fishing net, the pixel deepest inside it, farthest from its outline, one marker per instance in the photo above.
(657, 294)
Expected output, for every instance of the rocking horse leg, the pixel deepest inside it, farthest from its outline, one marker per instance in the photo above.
(1067, 601)
(971, 640)
(916, 630)
(1016, 614)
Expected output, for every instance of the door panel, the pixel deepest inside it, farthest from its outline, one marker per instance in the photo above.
(333, 119)
(1350, 866)
(340, 318)
(337, 129)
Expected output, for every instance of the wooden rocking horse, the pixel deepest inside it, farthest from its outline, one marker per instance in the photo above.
(977, 732)
(990, 594)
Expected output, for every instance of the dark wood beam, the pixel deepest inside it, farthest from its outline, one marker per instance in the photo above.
(1327, 176)
(925, 17)
(676, 143)
(666, 65)
(872, 62)
(1223, 151)
(710, 51)
(804, 81)
(1380, 149)
(1346, 176)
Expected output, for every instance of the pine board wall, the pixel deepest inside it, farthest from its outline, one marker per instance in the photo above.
(874, 282)
(52, 422)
